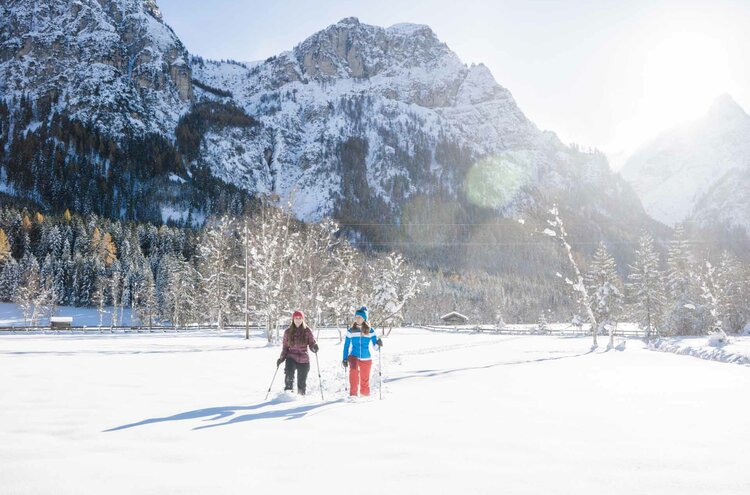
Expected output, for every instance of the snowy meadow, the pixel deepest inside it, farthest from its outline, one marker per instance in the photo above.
(460, 413)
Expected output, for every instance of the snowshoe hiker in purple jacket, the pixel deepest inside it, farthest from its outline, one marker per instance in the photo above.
(297, 338)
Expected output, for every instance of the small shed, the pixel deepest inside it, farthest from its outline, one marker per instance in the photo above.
(455, 318)
(57, 322)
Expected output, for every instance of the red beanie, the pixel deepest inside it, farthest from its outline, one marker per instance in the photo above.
(298, 314)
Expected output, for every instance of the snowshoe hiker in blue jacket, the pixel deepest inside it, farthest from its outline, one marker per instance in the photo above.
(357, 353)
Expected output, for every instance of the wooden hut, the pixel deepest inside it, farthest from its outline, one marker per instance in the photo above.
(454, 318)
(58, 322)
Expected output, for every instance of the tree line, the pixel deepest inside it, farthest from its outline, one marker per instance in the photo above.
(260, 265)
(692, 292)
(256, 267)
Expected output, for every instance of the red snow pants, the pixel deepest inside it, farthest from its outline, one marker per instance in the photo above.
(359, 376)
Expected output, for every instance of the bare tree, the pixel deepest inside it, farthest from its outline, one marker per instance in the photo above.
(218, 271)
(557, 231)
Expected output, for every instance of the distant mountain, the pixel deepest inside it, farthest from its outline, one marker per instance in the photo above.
(362, 122)
(383, 128)
(698, 172)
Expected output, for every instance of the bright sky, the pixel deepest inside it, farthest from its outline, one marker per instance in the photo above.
(607, 74)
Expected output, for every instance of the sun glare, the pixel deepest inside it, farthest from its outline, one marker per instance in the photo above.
(682, 75)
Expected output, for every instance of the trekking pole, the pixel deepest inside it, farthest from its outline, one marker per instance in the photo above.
(320, 380)
(272, 379)
(380, 375)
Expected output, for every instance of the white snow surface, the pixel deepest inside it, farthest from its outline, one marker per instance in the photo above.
(461, 413)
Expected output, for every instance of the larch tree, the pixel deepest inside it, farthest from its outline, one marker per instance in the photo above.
(5, 251)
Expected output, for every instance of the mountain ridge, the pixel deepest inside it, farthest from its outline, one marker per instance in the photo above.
(678, 173)
(356, 122)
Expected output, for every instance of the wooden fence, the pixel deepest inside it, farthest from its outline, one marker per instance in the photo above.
(46, 329)
(570, 330)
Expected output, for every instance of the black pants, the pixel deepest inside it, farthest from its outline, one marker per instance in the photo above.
(302, 369)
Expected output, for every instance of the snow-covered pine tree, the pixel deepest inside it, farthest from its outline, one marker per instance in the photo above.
(51, 241)
(683, 291)
(99, 295)
(59, 277)
(115, 291)
(500, 319)
(10, 278)
(84, 279)
(64, 273)
(542, 327)
(145, 294)
(160, 282)
(131, 259)
(605, 291)
(733, 287)
(711, 295)
(645, 289)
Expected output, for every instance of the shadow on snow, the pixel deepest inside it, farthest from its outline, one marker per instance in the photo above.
(432, 373)
(219, 413)
(297, 412)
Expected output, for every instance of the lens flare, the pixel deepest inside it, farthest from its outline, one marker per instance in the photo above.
(494, 181)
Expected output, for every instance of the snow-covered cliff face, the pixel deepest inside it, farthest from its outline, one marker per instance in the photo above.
(700, 171)
(395, 112)
(113, 63)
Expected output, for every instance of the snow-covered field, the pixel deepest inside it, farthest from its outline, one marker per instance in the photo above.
(461, 413)
(11, 316)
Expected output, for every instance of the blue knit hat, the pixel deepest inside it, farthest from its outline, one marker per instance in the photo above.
(362, 312)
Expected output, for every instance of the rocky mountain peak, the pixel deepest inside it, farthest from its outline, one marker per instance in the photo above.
(152, 8)
(351, 49)
(409, 29)
(111, 62)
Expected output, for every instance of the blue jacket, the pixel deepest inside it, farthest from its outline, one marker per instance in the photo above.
(358, 343)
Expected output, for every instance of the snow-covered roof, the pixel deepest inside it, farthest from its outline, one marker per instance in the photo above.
(61, 319)
(454, 314)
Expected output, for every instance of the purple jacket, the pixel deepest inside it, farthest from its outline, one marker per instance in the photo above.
(296, 342)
